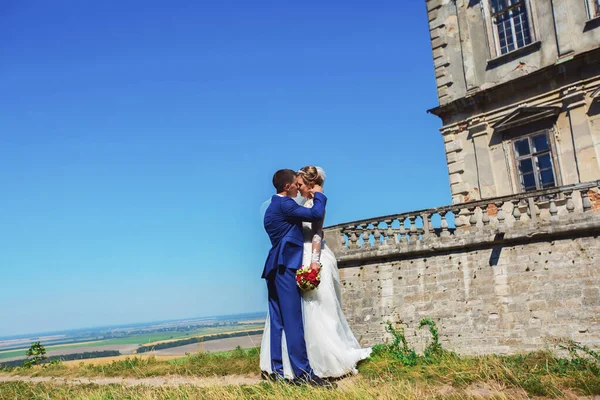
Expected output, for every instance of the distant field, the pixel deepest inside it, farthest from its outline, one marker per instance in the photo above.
(207, 332)
(108, 360)
(16, 353)
(218, 345)
(135, 339)
(21, 352)
(167, 336)
(12, 354)
(142, 339)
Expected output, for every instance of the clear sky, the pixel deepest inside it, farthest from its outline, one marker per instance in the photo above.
(138, 140)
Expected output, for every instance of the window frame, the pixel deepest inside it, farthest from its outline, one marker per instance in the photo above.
(593, 9)
(536, 171)
(492, 34)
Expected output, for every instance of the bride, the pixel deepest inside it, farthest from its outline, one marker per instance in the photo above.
(332, 349)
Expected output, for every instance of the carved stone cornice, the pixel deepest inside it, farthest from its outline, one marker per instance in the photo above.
(573, 97)
(596, 95)
(450, 130)
(478, 126)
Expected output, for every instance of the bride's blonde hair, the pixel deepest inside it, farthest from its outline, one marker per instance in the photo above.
(310, 176)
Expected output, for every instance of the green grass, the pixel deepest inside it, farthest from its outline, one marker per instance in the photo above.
(538, 374)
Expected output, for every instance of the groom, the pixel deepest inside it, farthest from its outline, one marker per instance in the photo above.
(283, 223)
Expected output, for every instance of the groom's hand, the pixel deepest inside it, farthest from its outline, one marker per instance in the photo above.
(316, 266)
(316, 188)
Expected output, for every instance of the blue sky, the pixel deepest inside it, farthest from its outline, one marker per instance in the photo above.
(138, 141)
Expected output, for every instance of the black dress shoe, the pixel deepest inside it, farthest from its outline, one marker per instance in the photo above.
(272, 377)
(314, 381)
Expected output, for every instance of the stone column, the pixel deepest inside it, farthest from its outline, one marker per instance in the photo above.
(333, 238)
(454, 159)
(565, 151)
(564, 39)
(586, 156)
(478, 131)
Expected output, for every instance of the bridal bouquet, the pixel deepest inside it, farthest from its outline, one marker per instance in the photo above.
(307, 278)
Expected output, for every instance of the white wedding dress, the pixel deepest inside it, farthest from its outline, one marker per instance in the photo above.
(332, 349)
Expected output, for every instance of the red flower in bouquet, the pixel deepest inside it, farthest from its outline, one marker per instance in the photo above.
(307, 278)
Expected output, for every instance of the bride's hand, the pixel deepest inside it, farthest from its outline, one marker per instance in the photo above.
(315, 189)
(316, 266)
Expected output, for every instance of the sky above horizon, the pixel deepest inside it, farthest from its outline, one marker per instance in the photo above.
(138, 141)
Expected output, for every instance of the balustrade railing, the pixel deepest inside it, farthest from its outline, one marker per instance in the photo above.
(494, 214)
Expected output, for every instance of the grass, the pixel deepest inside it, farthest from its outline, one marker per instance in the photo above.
(359, 390)
(538, 374)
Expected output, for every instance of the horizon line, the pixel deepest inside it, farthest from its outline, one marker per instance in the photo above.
(131, 324)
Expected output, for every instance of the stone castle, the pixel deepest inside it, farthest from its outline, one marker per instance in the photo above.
(514, 263)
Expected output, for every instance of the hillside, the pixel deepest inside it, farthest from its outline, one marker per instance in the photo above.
(395, 371)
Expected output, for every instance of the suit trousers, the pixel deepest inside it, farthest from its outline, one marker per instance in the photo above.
(285, 311)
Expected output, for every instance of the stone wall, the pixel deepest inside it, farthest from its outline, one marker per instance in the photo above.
(535, 293)
(490, 289)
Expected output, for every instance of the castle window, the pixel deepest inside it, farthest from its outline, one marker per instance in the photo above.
(511, 25)
(533, 156)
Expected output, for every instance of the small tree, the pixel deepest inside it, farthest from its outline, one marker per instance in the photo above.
(35, 355)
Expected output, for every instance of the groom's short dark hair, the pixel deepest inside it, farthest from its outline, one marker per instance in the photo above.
(282, 178)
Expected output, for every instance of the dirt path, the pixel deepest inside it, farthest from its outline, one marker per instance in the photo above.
(476, 390)
(154, 381)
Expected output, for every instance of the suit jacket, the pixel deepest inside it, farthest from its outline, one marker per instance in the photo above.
(283, 223)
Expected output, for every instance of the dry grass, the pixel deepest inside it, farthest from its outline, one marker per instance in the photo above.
(534, 375)
(108, 360)
(359, 389)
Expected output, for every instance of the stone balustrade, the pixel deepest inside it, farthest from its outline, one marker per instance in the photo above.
(460, 224)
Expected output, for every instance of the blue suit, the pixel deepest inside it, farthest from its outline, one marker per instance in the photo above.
(283, 223)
